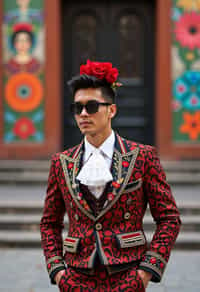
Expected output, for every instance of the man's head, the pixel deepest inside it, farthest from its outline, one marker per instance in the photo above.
(94, 105)
(86, 81)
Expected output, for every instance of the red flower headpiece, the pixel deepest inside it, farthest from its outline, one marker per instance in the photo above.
(101, 70)
(22, 27)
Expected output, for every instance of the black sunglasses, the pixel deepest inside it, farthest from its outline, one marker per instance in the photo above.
(92, 107)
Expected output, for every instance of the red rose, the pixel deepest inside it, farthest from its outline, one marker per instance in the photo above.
(100, 70)
(112, 75)
(161, 265)
(85, 69)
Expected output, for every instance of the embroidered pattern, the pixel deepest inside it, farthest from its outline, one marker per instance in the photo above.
(154, 261)
(131, 239)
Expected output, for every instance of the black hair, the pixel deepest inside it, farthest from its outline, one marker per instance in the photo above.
(86, 81)
(30, 34)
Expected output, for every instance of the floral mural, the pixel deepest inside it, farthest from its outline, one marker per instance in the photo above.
(23, 74)
(186, 71)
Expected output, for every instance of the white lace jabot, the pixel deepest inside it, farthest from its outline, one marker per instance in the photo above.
(95, 172)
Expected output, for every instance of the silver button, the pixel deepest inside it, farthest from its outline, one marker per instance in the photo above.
(98, 226)
(128, 202)
(127, 215)
(76, 217)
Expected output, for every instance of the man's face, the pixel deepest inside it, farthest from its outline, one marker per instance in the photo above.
(99, 122)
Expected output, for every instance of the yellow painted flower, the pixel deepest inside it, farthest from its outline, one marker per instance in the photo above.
(189, 4)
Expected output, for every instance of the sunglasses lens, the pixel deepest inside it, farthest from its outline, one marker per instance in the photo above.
(76, 108)
(92, 107)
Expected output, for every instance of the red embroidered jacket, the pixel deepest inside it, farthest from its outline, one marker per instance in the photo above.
(116, 234)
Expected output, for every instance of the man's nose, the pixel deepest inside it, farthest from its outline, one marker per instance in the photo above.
(84, 112)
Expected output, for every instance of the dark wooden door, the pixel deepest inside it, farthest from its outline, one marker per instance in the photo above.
(121, 32)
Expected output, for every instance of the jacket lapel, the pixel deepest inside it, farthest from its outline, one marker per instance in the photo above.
(71, 166)
(122, 166)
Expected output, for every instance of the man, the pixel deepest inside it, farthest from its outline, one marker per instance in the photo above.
(104, 184)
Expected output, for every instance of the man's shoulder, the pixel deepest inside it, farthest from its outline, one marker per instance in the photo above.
(67, 152)
(143, 148)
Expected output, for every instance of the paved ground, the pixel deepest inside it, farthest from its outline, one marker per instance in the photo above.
(24, 271)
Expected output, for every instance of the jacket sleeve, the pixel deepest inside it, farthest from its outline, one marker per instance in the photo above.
(51, 224)
(165, 213)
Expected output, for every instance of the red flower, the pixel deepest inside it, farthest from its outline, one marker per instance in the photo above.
(153, 261)
(125, 163)
(115, 185)
(112, 75)
(24, 128)
(101, 70)
(70, 165)
(49, 266)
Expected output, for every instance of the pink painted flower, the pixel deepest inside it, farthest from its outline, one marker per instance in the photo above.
(187, 30)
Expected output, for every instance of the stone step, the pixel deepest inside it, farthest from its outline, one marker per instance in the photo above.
(36, 207)
(36, 171)
(32, 221)
(186, 240)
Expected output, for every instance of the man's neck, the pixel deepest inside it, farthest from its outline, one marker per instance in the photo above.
(98, 139)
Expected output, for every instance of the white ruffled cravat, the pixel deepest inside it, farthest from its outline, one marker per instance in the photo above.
(95, 171)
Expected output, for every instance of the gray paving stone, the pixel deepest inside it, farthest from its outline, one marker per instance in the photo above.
(23, 270)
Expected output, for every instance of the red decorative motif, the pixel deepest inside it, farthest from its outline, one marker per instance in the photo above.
(153, 261)
(24, 128)
(70, 165)
(125, 163)
(22, 26)
(116, 185)
(110, 196)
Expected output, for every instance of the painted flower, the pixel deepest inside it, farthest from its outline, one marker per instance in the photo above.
(186, 90)
(191, 125)
(24, 128)
(189, 4)
(23, 92)
(187, 30)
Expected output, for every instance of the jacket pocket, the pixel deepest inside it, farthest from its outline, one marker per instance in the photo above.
(131, 239)
(70, 244)
(132, 186)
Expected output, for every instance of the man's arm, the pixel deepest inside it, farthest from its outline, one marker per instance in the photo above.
(165, 213)
(51, 224)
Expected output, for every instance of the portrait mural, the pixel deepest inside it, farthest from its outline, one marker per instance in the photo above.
(186, 71)
(23, 74)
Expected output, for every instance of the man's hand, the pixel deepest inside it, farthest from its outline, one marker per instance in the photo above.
(145, 276)
(58, 276)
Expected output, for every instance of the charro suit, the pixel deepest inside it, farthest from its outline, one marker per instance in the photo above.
(116, 233)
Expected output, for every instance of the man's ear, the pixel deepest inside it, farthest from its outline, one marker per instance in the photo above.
(112, 110)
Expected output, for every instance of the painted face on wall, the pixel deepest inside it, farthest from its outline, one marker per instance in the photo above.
(22, 42)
